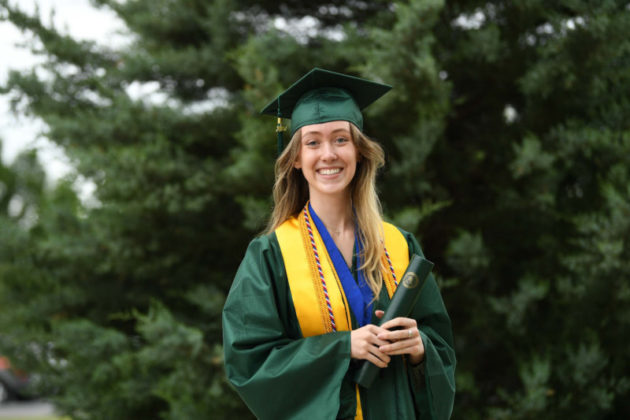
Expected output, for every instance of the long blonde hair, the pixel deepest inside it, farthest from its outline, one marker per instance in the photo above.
(290, 194)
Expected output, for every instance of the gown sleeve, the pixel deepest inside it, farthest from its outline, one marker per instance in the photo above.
(278, 373)
(433, 381)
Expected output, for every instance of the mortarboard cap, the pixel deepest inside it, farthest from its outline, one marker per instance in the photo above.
(322, 96)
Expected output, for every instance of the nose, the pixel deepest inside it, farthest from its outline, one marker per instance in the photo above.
(328, 152)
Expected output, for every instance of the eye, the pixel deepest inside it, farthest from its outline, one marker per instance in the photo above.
(341, 140)
(311, 142)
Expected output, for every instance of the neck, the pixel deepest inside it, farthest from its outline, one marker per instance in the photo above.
(335, 212)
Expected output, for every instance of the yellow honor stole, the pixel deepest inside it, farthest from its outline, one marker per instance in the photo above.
(320, 303)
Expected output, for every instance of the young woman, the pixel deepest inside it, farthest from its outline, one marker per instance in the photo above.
(300, 317)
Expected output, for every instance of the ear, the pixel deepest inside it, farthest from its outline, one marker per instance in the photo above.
(298, 161)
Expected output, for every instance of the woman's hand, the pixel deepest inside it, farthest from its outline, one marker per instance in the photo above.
(365, 345)
(404, 340)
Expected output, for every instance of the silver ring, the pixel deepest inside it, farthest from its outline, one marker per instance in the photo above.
(410, 333)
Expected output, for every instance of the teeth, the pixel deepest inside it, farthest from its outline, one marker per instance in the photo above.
(329, 171)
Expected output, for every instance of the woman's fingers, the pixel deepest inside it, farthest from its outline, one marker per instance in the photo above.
(407, 350)
(398, 335)
(400, 328)
(403, 337)
(377, 345)
(372, 333)
(373, 354)
(381, 362)
(412, 345)
(365, 345)
(400, 322)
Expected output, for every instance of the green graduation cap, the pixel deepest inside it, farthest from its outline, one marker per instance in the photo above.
(321, 96)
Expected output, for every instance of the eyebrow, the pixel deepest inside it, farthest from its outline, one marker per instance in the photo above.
(332, 132)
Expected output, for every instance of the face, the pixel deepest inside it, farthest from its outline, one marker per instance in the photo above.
(327, 157)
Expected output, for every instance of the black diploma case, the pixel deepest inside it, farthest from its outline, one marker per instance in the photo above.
(401, 304)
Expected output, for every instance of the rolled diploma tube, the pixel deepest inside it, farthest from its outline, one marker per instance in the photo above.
(402, 303)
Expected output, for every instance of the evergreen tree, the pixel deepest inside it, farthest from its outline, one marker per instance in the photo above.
(507, 148)
(535, 159)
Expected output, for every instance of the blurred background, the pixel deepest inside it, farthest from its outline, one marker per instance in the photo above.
(136, 168)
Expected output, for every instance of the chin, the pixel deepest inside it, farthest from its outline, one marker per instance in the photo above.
(332, 191)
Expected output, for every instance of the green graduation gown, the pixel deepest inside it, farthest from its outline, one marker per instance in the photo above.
(282, 375)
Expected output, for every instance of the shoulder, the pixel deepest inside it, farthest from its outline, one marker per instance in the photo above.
(269, 245)
(393, 231)
(287, 230)
(263, 241)
(259, 268)
(264, 246)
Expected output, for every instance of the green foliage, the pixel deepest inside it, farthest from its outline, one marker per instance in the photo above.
(508, 155)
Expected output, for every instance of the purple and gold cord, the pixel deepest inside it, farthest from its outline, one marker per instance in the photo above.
(319, 269)
(391, 267)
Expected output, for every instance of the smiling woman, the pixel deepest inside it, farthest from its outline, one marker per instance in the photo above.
(299, 317)
(327, 158)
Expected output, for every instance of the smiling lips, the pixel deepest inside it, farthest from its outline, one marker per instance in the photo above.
(329, 171)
